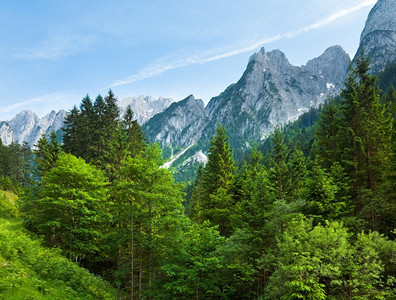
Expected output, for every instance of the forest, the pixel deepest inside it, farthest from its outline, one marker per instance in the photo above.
(308, 214)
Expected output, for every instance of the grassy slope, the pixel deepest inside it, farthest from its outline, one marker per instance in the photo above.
(29, 270)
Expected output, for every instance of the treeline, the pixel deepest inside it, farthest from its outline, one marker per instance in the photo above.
(313, 217)
(16, 165)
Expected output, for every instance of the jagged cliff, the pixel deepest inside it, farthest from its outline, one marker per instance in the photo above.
(28, 127)
(180, 124)
(378, 39)
(144, 107)
(270, 91)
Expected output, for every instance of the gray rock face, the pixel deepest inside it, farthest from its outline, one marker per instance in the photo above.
(28, 127)
(273, 91)
(378, 39)
(144, 107)
(6, 134)
(270, 91)
(180, 124)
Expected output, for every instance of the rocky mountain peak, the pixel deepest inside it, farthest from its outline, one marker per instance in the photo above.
(261, 60)
(259, 57)
(182, 123)
(378, 39)
(193, 103)
(26, 126)
(271, 90)
(332, 64)
(144, 107)
(382, 17)
(277, 61)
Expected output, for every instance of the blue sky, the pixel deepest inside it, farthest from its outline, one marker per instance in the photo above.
(52, 53)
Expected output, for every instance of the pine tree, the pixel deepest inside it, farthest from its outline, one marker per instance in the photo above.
(297, 173)
(364, 137)
(98, 127)
(46, 153)
(278, 166)
(85, 132)
(193, 208)
(135, 137)
(216, 204)
(320, 195)
(326, 134)
(71, 130)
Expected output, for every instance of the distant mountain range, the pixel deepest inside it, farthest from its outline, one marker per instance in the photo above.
(144, 107)
(28, 127)
(271, 91)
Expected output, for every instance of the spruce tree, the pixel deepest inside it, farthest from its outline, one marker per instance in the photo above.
(85, 132)
(71, 129)
(326, 134)
(147, 211)
(46, 153)
(216, 204)
(364, 139)
(99, 125)
(135, 137)
(278, 166)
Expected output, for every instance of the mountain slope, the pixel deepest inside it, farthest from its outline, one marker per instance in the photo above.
(144, 107)
(378, 39)
(29, 270)
(181, 124)
(28, 127)
(272, 91)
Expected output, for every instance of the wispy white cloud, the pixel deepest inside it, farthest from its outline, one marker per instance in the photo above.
(40, 105)
(168, 63)
(56, 46)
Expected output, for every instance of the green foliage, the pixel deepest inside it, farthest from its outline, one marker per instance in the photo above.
(30, 271)
(246, 238)
(8, 204)
(71, 209)
(46, 153)
(193, 271)
(366, 130)
(327, 129)
(278, 166)
(214, 201)
(15, 166)
(387, 78)
(147, 212)
(324, 261)
(320, 195)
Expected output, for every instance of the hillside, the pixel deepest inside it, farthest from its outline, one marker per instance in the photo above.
(29, 270)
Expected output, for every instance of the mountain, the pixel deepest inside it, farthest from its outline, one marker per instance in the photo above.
(6, 134)
(270, 91)
(144, 107)
(28, 127)
(378, 39)
(180, 124)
